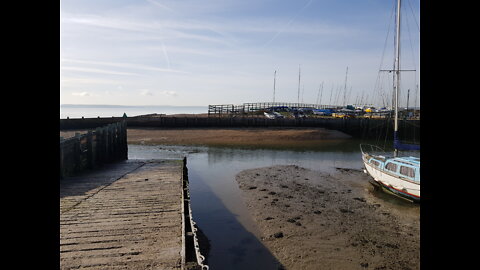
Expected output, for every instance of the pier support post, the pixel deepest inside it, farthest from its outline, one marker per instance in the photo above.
(90, 154)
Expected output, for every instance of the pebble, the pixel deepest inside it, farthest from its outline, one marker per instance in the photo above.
(278, 235)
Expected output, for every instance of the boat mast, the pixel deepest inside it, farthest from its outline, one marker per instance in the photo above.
(274, 77)
(345, 89)
(298, 94)
(396, 74)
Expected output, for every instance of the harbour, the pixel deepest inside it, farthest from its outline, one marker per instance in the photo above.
(221, 211)
(302, 159)
(218, 203)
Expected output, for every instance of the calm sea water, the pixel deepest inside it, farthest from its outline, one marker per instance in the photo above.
(91, 111)
(217, 205)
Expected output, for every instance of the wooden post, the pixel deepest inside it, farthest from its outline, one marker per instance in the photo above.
(117, 142)
(125, 142)
(104, 144)
(110, 142)
(99, 146)
(62, 172)
(77, 153)
(113, 150)
(90, 156)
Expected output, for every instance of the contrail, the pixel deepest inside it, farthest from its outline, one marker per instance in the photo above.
(166, 55)
(160, 5)
(288, 24)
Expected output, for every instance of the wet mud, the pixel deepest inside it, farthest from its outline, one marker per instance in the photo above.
(314, 220)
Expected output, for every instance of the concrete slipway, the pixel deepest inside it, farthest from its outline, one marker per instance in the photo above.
(128, 215)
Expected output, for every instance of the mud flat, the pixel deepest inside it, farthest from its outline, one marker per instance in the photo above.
(268, 137)
(314, 220)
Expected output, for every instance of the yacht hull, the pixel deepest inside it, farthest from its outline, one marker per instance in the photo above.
(404, 188)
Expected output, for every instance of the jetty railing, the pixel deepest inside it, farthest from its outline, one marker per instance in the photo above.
(96, 147)
(226, 110)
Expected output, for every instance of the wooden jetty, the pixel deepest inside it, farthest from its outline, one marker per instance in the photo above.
(128, 215)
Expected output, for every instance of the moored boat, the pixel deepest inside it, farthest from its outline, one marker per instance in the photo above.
(398, 174)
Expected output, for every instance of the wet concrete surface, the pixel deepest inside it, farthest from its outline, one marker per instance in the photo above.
(126, 215)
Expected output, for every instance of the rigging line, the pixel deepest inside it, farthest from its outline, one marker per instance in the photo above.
(330, 100)
(386, 38)
(321, 93)
(410, 41)
(388, 120)
(414, 15)
(384, 48)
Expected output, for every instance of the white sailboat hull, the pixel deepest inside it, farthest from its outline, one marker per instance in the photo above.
(403, 187)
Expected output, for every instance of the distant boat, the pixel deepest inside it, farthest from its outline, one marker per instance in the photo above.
(325, 112)
(399, 175)
(269, 115)
(277, 115)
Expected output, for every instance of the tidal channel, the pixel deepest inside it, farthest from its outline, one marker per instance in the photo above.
(216, 201)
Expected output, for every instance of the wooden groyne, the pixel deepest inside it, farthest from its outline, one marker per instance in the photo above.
(104, 144)
(130, 215)
(365, 128)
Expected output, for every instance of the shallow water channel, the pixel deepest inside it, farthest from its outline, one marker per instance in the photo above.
(216, 201)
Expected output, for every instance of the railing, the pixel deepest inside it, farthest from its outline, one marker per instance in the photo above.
(371, 149)
(86, 151)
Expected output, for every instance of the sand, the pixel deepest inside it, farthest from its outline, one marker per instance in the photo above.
(314, 220)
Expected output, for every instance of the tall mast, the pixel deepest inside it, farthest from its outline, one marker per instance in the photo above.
(274, 77)
(298, 95)
(396, 74)
(345, 89)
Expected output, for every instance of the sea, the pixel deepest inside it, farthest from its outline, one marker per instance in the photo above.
(93, 111)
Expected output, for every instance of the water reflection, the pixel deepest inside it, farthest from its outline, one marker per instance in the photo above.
(232, 246)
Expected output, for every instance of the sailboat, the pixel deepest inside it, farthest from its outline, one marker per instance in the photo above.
(399, 175)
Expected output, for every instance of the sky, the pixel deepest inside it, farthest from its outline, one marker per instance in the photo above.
(201, 52)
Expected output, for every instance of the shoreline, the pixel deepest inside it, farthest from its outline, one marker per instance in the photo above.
(276, 138)
(309, 218)
(236, 137)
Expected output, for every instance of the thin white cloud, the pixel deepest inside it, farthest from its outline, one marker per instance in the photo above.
(146, 92)
(154, 29)
(118, 65)
(160, 5)
(81, 94)
(99, 71)
(68, 80)
(169, 93)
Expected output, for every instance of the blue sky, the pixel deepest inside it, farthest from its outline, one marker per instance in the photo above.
(195, 53)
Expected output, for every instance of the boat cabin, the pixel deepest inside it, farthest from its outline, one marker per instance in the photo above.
(405, 167)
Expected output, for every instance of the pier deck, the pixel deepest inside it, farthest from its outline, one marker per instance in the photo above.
(126, 216)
